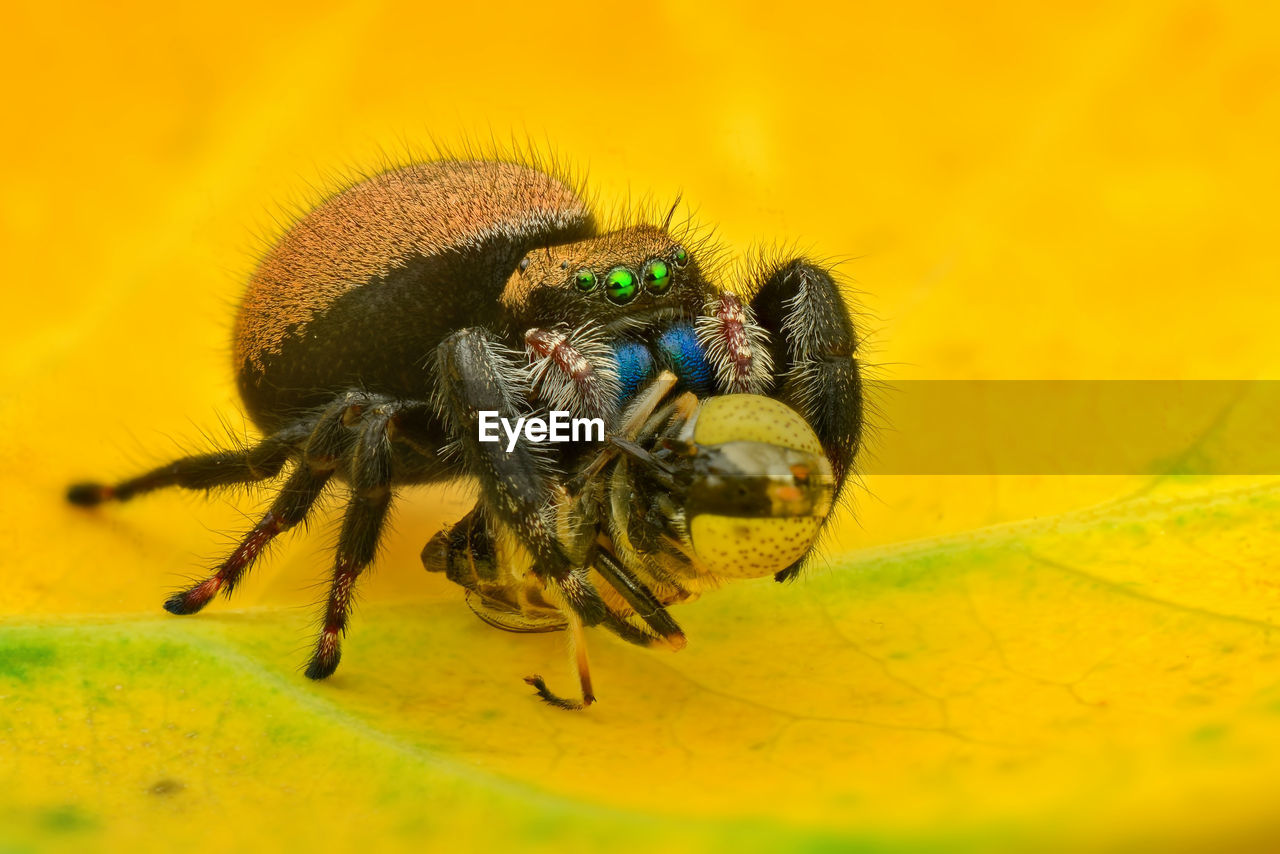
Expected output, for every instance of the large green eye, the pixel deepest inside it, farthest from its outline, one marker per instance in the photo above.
(680, 256)
(620, 285)
(585, 280)
(657, 276)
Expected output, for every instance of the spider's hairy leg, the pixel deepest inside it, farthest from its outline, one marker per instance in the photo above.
(261, 461)
(518, 486)
(736, 345)
(326, 445)
(815, 344)
(814, 351)
(573, 370)
(370, 477)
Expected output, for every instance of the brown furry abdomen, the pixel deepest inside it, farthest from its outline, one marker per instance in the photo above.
(360, 291)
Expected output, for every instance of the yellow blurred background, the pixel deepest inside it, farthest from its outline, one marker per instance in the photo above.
(1086, 191)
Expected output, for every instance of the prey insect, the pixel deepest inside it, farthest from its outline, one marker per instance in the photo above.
(685, 495)
(385, 319)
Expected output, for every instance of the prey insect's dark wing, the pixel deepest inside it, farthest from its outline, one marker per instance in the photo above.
(510, 618)
(639, 597)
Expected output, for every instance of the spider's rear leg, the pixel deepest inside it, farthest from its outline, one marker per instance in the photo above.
(201, 471)
(370, 476)
(327, 444)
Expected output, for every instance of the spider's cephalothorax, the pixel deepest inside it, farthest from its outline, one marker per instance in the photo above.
(380, 326)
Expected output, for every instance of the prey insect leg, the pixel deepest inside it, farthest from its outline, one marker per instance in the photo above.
(579, 643)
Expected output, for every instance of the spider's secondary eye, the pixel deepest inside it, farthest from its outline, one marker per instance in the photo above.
(585, 281)
(657, 277)
(681, 257)
(620, 285)
(524, 264)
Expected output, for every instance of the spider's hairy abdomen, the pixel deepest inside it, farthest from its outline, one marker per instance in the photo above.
(361, 289)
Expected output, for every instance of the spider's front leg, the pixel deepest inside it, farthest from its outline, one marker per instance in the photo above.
(812, 344)
(518, 486)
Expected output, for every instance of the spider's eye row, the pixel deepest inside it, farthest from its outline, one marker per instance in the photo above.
(680, 256)
(657, 276)
(620, 286)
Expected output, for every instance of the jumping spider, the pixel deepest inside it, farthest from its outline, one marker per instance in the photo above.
(379, 326)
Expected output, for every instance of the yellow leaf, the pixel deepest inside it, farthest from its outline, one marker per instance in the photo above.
(1047, 683)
